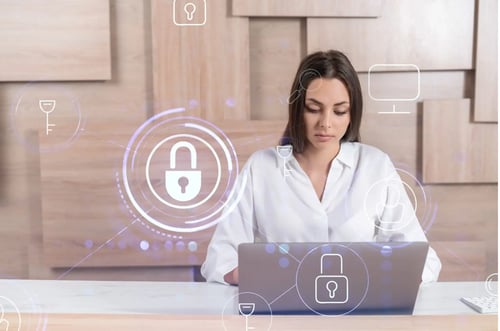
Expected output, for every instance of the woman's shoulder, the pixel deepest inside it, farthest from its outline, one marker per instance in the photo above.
(365, 152)
(263, 158)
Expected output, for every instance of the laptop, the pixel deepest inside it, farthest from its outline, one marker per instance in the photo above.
(330, 278)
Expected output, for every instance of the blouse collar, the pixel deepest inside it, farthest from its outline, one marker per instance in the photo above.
(345, 156)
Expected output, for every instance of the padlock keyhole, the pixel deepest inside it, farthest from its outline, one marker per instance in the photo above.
(332, 287)
(183, 182)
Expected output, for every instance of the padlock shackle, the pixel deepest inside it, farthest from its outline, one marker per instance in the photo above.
(173, 154)
(332, 254)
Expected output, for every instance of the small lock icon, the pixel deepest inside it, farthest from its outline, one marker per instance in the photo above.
(189, 12)
(183, 185)
(331, 289)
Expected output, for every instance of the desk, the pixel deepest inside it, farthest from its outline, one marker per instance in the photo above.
(89, 305)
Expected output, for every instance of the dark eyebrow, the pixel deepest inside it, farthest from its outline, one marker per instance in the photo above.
(320, 103)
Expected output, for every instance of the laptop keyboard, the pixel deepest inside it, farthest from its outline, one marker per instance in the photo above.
(483, 304)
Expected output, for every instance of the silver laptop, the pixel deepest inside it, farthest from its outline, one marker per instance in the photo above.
(330, 278)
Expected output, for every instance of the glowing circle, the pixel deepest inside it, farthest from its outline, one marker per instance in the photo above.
(155, 211)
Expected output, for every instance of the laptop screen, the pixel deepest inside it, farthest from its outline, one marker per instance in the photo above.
(331, 278)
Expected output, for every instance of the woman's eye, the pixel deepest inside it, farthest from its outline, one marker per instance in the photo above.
(340, 112)
(312, 109)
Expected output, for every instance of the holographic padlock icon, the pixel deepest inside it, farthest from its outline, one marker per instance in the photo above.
(183, 185)
(189, 12)
(331, 289)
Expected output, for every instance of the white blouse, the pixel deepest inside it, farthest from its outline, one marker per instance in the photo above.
(364, 200)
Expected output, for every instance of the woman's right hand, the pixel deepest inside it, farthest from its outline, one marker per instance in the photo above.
(232, 277)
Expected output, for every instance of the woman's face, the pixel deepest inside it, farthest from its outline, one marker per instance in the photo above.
(326, 114)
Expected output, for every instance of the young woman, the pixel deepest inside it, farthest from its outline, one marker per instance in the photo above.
(321, 184)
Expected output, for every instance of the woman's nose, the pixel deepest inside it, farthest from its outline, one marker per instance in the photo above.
(325, 120)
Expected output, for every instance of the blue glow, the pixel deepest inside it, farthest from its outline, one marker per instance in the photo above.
(193, 103)
(326, 249)
(386, 251)
(180, 246)
(270, 248)
(192, 246)
(386, 265)
(144, 244)
(169, 245)
(122, 244)
(284, 262)
(284, 248)
(89, 243)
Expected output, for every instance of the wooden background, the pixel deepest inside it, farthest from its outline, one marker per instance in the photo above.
(119, 63)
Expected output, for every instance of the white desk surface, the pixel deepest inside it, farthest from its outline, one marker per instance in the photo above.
(118, 297)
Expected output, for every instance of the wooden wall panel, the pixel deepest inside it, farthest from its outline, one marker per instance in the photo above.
(307, 8)
(201, 68)
(455, 150)
(14, 216)
(434, 35)
(55, 40)
(461, 260)
(74, 192)
(466, 215)
(276, 48)
(486, 91)
(93, 183)
(84, 174)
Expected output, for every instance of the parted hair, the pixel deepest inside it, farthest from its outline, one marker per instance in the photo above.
(328, 64)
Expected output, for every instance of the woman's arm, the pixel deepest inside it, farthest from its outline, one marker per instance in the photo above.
(398, 221)
(236, 226)
(232, 277)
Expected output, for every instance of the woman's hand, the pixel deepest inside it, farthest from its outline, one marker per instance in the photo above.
(232, 277)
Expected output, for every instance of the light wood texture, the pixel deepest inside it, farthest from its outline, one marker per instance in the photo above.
(434, 35)
(55, 40)
(398, 134)
(277, 46)
(455, 150)
(486, 91)
(51, 203)
(162, 322)
(94, 183)
(14, 219)
(465, 215)
(70, 185)
(207, 71)
(462, 260)
(305, 8)
(117, 243)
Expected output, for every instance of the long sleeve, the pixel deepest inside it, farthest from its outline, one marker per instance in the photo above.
(364, 200)
(235, 227)
(397, 221)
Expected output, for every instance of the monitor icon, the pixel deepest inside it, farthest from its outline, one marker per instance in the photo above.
(378, 94)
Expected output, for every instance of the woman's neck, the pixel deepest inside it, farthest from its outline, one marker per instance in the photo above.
(315, 159)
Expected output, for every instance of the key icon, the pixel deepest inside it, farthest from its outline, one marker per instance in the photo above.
(47, 106)
(246, 309)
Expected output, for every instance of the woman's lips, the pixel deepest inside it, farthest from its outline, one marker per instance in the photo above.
(323, 137)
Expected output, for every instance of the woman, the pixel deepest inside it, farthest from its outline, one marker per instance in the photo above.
(321, 185)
